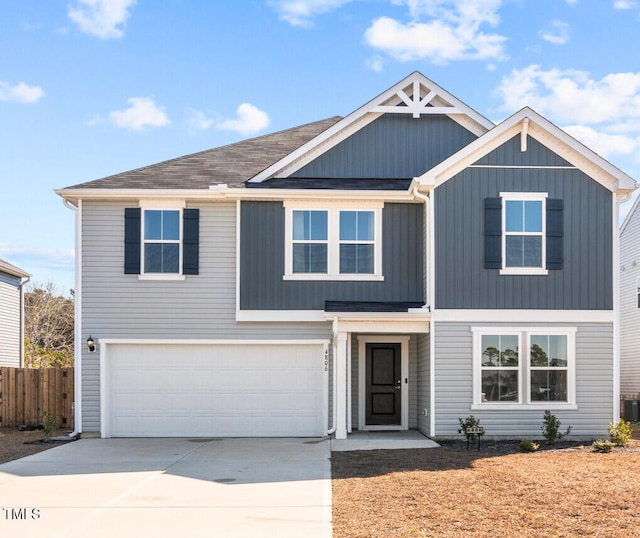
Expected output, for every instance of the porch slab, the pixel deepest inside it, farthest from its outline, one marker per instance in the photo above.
(366, 440)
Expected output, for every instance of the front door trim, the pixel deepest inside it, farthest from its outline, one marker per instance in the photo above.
(403, 340)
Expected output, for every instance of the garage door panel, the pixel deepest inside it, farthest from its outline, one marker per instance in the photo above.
(217, 390)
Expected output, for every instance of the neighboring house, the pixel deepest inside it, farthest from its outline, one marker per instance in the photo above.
(402, 267)
(12, 281)
(630, 304)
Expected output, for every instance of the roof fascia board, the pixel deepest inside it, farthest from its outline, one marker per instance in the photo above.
(233, 194)
(459, 111)
(10, 269)
(546, 133)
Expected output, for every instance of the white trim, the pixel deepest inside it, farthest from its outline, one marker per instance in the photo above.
(525, 316)
(105, 380)
(79, 341)
(281, 315)
(542, 234)
(238, 243)
(547, 134)
(156, 206)
(333, 242)
(436, 95)
(404, 374)
(341, 382)
(615, 271)
(524, 367)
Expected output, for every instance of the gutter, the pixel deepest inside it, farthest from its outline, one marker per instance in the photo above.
(77, 322)
(334, 332)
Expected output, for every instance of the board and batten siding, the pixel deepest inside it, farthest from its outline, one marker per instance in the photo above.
(629, 311)
(10, 322)
(115, 305)
(454, 384)
(394, 146)
(584, 283)
(262, 262)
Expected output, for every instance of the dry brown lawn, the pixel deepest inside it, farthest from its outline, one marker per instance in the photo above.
(496, 491)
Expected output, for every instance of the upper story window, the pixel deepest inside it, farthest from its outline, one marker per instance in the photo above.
(336, 243)
(523, 233)
(162, 240)
(523, 366)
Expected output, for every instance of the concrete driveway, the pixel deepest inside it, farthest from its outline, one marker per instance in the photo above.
(170, 487)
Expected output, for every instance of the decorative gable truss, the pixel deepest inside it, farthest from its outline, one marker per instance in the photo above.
(415, 95)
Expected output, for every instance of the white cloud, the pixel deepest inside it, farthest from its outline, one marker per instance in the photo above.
(302, 12)
(571, 96)
(250, 120)
(20, 93)
(453, 31)
(605, 144)
(375, 63)
(198, 120)
(602, 114)
(624, 4)
(49, 258)
(101, 18)
(143, 112)
(557, 32)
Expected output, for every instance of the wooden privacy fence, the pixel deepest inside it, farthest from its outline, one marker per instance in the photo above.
(26, 393)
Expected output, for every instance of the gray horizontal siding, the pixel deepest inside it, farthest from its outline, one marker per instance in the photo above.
(262, 262)
(392, 146)
(454, 385)
(629, 312)
(9, 320)
(423, 396)
(585, 282)
(115, 305)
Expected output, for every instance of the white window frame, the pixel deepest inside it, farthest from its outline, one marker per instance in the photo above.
(524, 364)
(333, 235)
(161, 205)
(517, 197)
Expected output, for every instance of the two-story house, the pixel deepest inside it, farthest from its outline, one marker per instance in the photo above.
(399, 268)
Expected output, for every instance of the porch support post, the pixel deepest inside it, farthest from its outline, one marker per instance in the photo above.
(341, 385)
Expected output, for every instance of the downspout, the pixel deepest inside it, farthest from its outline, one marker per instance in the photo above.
(77, 329)
(429, 286)
(334, 330)
(23, 282)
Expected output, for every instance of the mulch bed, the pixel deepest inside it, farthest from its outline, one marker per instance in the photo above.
(563, 490)
(16, 444)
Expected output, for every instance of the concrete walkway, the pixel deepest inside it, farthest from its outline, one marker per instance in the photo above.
(118, 488)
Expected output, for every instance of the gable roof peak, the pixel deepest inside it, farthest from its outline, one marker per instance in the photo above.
(415, 94)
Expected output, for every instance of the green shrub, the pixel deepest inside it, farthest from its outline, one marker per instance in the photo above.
(551, 428)
(48, 424)
(602, 445)
(467, 425)
(526, 445)
(620, 433)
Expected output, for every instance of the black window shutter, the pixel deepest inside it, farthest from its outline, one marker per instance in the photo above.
(132, 240)
(493, 233)
(190, 241)
(555, 234)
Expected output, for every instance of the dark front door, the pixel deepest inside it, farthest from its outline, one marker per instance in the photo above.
(383, 385)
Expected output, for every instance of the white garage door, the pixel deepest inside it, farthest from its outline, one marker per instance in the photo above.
(215, 390)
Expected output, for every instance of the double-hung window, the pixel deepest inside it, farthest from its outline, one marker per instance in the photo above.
(162, 240)
(523, 233)
(333, 243)
(517, 367)
(523, 245)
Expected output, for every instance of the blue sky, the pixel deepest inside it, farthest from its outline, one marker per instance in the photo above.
(90, 88)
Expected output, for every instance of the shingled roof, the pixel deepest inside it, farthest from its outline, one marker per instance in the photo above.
(232, 165)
